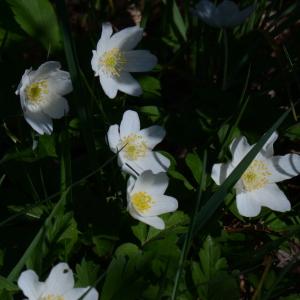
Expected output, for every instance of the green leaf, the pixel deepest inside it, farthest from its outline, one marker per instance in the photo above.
(212, 272)
(87, 273)
(178, 20)
(194, 163)
(37, 18)
(7, 285)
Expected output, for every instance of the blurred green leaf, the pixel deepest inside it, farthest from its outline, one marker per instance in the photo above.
(37, 18)
(194, 163)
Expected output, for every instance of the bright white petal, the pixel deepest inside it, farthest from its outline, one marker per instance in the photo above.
(113, 137)
(205, 9)
(45, 70)
(130, 185)
(105, 36)
(130, 123)
(126, 39)
(155, 221)
(220, 172)
(60, 83)
(239, 147)
(95, 63)
(128, 85)
(56, 107)
(283, 167)
(163, 204)
(60, 280)
(40, 122)
(29, 283)
(25, 80)
(151, 183)
(75, 294)
(272, 197)
(109, 85)
(153, 135)
(139, 61)
(268, 149)
(247, 204)
(154, 161)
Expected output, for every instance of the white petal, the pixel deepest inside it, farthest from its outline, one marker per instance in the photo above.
(25, 80)
(130, 123)
(60, 280)
(60, 82)
(75, 294)
(113, 137)
(105, 36)
(130, 185)
(239, 147)
(109, 85)
(130, 167)
(163, 204)
(242, 15)
(154, 161)
(220, 172)
(95, 63)
(205, 10)
(247, 204)
(45, 70)
(268, 149)
(272, 197)
(29, 283)
(226, 13)
(155, 221)
(40, 122)
(128, 85)
(56, 107)
(126, 39)
(283, 167)
(153, 135)
(151, 183)
(139, 61)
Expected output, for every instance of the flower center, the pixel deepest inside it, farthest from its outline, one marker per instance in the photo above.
(112, 62)
(134, 146)
(256, 176)
(52, 297)
(36, 91)
(142, 201)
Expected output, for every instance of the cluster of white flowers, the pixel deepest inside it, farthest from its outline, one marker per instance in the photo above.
(148, 181)
(41, 95)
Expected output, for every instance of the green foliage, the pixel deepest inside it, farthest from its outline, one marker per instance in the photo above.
(38, 19)
(211, 272)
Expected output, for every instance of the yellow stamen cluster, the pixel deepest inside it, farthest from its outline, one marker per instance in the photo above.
(112, 62)
(51, 297)
(142, 201)
(256, 176)
(36, 91)
(134, 147)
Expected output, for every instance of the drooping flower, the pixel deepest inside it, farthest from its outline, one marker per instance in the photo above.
(226, 14)
(135, 145)
(114, 59)
(146, 199)
(41, 94)
(257, 186)
(58, 286)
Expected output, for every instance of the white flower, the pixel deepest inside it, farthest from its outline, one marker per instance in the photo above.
(58, 286)
(135, 145)
(257, 186)
(146, 199)
(41, 94)
(226, 14)
(114, 59)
